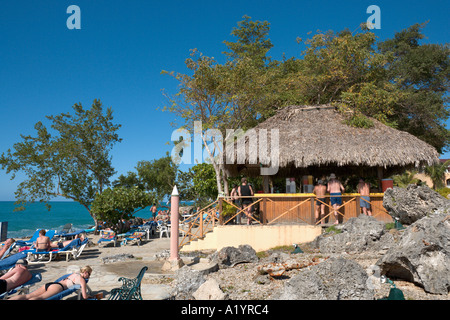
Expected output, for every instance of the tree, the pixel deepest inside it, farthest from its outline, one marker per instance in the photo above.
(437, 173)
(422, 73)
(72, 160)
(119, 203)
(405, 179)
(232, 95)
(158, 176)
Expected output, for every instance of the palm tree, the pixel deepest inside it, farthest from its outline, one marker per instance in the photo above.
(405, 179)
(436, 173)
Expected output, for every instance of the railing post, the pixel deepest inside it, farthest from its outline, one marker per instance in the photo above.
(220, 211)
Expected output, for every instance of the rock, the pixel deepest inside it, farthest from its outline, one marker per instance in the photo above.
(187, 282)
(422, 254)
(357, 235)
(230, 256)
(209, 290)
(334, 279)
(413, 203)
(117, 258)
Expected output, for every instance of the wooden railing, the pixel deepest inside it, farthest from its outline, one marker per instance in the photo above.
(278, 208)
(196, 226)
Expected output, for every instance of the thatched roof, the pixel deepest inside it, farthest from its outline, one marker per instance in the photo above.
(316, 136)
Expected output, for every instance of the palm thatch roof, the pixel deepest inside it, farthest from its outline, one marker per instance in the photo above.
(316, 137)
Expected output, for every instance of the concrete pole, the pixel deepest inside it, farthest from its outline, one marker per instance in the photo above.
(174, 209)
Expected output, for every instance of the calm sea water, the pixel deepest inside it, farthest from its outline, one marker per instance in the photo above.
(24, 223)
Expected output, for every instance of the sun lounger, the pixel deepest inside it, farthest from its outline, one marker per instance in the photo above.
(24, 288)
(73, 249)
(48, 233)
(107, 236)
(70, 235)
(132, 238)
(76, 288)
(8, 251)
(10, 261)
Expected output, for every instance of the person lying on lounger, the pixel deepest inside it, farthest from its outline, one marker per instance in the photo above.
(15, 277)
(60, 245)
(8, 243)
(52, 288)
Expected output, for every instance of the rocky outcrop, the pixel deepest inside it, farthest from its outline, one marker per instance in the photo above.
(410, 204)
(422, 255)
(334, 279)
(357, 235)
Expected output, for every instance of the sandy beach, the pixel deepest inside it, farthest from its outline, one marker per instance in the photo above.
(105, 275)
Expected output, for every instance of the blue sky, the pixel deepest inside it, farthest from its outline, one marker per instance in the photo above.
(122, 46)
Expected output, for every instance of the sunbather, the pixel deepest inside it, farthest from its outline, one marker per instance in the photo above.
(52, 288)
(15, 277)
(43, 242)
(6, 246)
(60, 245)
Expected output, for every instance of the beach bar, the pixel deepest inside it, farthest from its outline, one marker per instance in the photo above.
(315, 141)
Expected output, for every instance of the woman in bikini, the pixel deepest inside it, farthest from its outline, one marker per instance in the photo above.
(52, 288)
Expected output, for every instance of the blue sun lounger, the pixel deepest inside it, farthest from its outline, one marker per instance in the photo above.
(74, 249)
(10, 261)
(76, 288)
(24, 243)
(8, 251)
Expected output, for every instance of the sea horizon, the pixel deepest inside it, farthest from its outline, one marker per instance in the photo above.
(22, 224)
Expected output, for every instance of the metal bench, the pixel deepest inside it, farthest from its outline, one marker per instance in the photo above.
(130, 289)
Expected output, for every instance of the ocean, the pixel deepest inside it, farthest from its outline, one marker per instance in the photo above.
(36, 216)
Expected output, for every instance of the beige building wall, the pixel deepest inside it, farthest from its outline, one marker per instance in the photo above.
(259, 237)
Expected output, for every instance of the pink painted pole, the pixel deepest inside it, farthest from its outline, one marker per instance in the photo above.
(174, 205)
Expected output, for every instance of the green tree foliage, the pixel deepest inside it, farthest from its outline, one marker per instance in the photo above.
(115, 204)
(199, 184)
(405, 179)
(401, 82)
(72, 159)
(229, 95)
(158, 176)
(422, 73)
(437, 174)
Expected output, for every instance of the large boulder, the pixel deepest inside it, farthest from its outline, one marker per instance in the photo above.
(422, 255)
(356, 235)
(334, 279)
(231, 256)
(410, 204)
(188, 281)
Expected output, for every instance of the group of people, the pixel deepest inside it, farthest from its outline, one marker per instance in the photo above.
(161, 215)
(19, 274)
(335, 188)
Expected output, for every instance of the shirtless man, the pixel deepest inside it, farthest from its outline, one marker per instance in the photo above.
(335, 188)
(8, 243)
(319, 190)
(15, 277)
(43, 242)
(364, 201)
